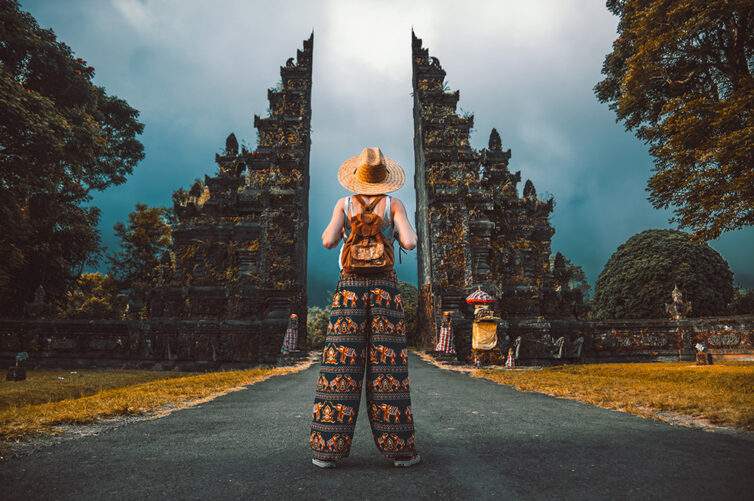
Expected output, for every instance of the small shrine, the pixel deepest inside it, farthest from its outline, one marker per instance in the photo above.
(484, 342)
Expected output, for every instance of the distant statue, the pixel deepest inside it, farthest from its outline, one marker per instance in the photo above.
(290, 341)
(39, 308)
(39, 295)
(446, 342)
(20, 357)
(679, 308)
(17, 372)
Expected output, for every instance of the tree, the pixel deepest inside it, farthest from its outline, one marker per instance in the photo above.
(570, 276)
(681, 77)
(143, 243)
(93, 296)
(639, 277)
(573, 286)
(61, 137)
(410, 299)
(743, 301)
(317, 319)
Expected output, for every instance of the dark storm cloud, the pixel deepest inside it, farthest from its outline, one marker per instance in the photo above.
(199, 70)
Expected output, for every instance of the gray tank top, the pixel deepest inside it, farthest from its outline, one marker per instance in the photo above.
(387, 225)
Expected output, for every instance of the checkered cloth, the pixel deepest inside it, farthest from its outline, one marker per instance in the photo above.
(446, 344)
(290, 340)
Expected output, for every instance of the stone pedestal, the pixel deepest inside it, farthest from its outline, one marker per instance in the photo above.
(16, 373)
(703, 358)
(444, 357)
(488, 357)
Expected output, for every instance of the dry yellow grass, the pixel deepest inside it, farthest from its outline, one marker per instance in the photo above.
(43, 386)
(47, 402)
(721, 394)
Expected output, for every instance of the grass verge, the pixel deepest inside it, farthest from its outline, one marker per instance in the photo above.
(107, 394)
(44, 386)
(720, 394)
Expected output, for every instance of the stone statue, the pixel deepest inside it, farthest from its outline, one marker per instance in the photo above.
(679, 308)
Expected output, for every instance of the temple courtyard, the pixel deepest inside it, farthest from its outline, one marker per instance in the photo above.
(478, 440)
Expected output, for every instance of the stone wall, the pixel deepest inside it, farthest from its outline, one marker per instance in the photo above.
(146, 344)
(241, 238)
(555, 340)
(211, 344)
(726, 337)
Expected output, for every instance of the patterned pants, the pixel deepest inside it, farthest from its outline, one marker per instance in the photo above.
(366, 329)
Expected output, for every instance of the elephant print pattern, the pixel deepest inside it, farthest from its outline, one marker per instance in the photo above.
(366, 334)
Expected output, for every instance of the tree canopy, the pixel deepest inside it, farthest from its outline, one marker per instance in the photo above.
(639, 277)
(680, 76)
(572, 285)
(143, 242)
(93, 296)
(569, 276)
(317, 319)
(743, 301)
(61, 137)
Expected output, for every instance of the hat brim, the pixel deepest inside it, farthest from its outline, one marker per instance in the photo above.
(347, 177)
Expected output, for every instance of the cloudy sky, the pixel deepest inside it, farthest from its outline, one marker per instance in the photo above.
(200, 70)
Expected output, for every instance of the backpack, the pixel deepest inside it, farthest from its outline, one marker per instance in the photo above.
(367, 250)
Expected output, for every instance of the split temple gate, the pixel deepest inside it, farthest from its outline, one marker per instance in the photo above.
(239, 264)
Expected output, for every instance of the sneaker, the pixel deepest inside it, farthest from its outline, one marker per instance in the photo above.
(323, 463)
(407, 461)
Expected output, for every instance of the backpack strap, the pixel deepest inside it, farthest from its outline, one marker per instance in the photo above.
(347, 211)
(370, 207)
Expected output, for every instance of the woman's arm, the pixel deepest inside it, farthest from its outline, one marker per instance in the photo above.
(406, 234)
(334, 231)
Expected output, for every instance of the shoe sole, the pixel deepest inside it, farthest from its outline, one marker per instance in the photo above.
(322, 463)
(407, 462)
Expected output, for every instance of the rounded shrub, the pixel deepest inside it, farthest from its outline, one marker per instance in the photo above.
(639, 277)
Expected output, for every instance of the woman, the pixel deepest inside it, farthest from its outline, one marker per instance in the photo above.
(366, 323)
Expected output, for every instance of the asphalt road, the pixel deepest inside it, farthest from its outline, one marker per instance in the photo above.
(478, 440)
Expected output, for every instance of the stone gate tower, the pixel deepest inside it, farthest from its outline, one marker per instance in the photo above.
(474, 228)
(241, 238)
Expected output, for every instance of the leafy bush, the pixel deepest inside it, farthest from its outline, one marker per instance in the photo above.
(94, 296)
(639, 277)
(410, 298)
(317, 319)
(573, 286)
(743, 301)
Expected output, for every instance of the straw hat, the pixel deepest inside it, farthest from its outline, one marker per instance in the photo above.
(371, 173)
